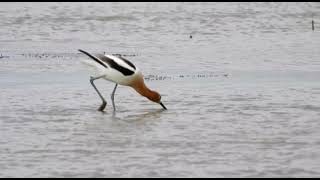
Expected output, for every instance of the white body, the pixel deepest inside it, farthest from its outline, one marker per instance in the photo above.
(112, 74)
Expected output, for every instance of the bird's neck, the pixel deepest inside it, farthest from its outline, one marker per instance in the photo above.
(142, 89)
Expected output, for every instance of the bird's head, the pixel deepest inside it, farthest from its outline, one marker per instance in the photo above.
(142, 89)
(155, 97)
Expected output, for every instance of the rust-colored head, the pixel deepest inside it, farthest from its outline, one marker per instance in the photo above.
(153, 96)
(142, 89)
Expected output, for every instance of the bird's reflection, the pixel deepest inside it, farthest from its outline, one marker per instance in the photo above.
(139, 117)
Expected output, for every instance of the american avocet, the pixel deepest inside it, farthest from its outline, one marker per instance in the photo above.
(120, 71)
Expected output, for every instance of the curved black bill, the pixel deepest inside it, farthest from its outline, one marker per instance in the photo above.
(163, 106)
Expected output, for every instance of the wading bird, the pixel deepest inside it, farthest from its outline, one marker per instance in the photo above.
(120, 71)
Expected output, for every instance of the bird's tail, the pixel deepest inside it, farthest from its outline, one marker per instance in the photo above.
(94, 58)
(86, 53)
(93, 68)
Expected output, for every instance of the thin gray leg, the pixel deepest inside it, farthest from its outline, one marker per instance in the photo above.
(104, 103)
(112, 97)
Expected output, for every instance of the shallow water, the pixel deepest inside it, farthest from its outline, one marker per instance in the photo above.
(243, 94)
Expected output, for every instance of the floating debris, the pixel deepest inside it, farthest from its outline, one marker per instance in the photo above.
(124, 54)
(1, 56)
(312, 22)
(47, 55)
(181, 76)
(156, 77)
(53, 55)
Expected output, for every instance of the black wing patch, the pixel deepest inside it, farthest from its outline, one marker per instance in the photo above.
(94, 58)
(114, 65)
(128, 62)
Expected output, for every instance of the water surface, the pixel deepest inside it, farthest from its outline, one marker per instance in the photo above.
(243, 94)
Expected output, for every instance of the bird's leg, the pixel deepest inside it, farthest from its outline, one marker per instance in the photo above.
(112, 97)
(104, 103)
